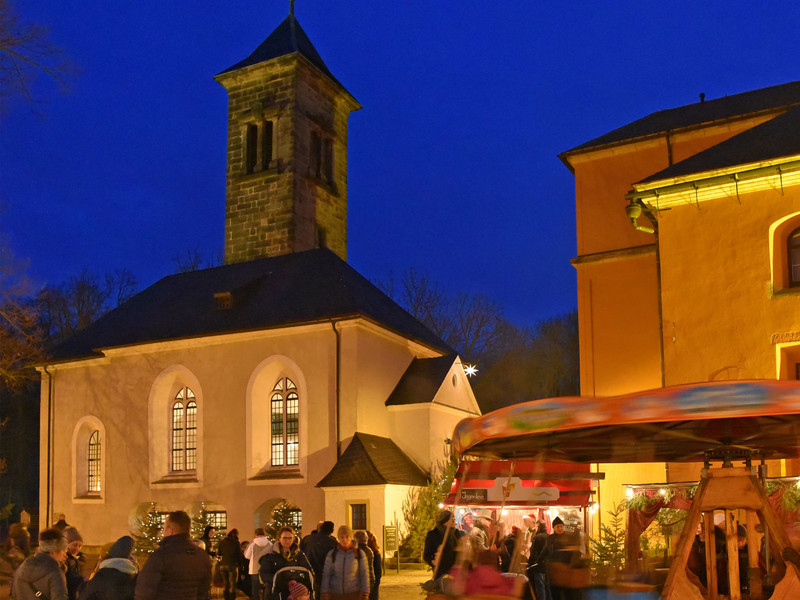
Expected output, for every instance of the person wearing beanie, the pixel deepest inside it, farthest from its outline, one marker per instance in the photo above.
(297, 591)
(75, 561)
(41, 575)
(344, 575)
(562, 551)
(444, 536)
(115, 578)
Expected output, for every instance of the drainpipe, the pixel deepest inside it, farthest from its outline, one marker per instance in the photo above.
(337, 371)
(48, 485)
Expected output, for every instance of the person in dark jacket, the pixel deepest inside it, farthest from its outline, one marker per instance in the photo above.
(75, 561)
(444, 535)
(178, 570)
(285, 553)
(317, 548)
(229, 552)
(361, 539)
(115, 578)
(43, 572)
(372, 542)
(208, 539)
(537, 563)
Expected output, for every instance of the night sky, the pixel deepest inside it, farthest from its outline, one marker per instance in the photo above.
(453, 166)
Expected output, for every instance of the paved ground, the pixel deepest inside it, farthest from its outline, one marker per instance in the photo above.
(394, 586)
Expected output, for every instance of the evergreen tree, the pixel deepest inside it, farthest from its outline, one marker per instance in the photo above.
(202, 520)
(421, 507)
(608, 549)
(148, 534)
(283, 515)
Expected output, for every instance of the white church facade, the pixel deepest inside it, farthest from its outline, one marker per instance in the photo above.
(282, 375)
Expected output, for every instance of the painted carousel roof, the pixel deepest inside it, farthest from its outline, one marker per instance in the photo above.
(681, 423)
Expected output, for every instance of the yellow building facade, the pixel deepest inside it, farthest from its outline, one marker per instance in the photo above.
(685, 261)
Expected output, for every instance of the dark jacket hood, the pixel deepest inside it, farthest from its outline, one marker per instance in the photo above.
(36, 567)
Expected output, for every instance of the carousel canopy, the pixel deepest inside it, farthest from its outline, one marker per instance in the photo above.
(681, 423)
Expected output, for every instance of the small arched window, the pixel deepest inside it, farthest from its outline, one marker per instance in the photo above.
(793, 256)
(184, 431)
(285, 424)
(93, 466)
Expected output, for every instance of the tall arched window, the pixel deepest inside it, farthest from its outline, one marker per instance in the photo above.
(93, 467)
(793, 256)
(184, 431)
(285, 423)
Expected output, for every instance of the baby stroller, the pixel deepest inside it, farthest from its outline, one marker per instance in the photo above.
(280, 583)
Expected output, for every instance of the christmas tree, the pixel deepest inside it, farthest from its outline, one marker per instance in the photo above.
(284, 514)
(203, 519)
(149, 530)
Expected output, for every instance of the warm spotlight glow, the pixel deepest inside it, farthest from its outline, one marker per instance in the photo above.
(461, 511)
(629, 492)
(470, 370)
(662, 491)
(593, 506)
(504, 512)
(441, 504)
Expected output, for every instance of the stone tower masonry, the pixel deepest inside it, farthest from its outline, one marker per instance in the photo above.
(286, 185)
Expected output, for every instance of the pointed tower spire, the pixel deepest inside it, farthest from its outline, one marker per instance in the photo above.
(287, 150)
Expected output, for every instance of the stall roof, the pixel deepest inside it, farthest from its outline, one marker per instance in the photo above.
(480, 484)
(680, 423)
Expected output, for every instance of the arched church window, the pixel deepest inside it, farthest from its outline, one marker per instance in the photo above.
(793, 255)
(285, 423)
(184, 431)
(93, 467)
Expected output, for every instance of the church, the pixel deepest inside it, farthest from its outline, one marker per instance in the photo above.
(283, 375)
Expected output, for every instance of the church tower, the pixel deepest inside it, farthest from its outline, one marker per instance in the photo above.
(286, 187)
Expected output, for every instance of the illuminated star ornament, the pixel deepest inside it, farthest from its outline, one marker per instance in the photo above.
(470, 370)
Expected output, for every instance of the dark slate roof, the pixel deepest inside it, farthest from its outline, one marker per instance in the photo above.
(776, 138)
(294, 289)
(287, 38)
(421, 381)
(721, 109)
(373, 460)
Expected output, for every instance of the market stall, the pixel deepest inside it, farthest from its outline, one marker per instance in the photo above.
(716, 423)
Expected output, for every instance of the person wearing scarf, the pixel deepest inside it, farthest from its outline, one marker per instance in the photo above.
(344, 576)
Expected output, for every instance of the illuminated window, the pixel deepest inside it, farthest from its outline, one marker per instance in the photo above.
(218, 519)
(793, 257)
(322, 157)
(259, 145)
(296, 518)
(184, 432)
(285, 424)
(94, 463)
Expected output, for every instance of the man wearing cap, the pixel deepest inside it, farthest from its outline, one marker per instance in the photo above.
(115, 578)
(443, 536)
(41, 575)
(178, 570)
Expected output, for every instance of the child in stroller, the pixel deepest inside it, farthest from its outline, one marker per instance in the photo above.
(282, 588)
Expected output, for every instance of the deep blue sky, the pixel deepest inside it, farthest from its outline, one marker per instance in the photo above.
(453, 166)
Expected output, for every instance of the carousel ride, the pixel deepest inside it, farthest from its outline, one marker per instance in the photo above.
(723, 425)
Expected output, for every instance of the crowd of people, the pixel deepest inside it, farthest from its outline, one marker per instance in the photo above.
(479, 562)
(345, 567)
